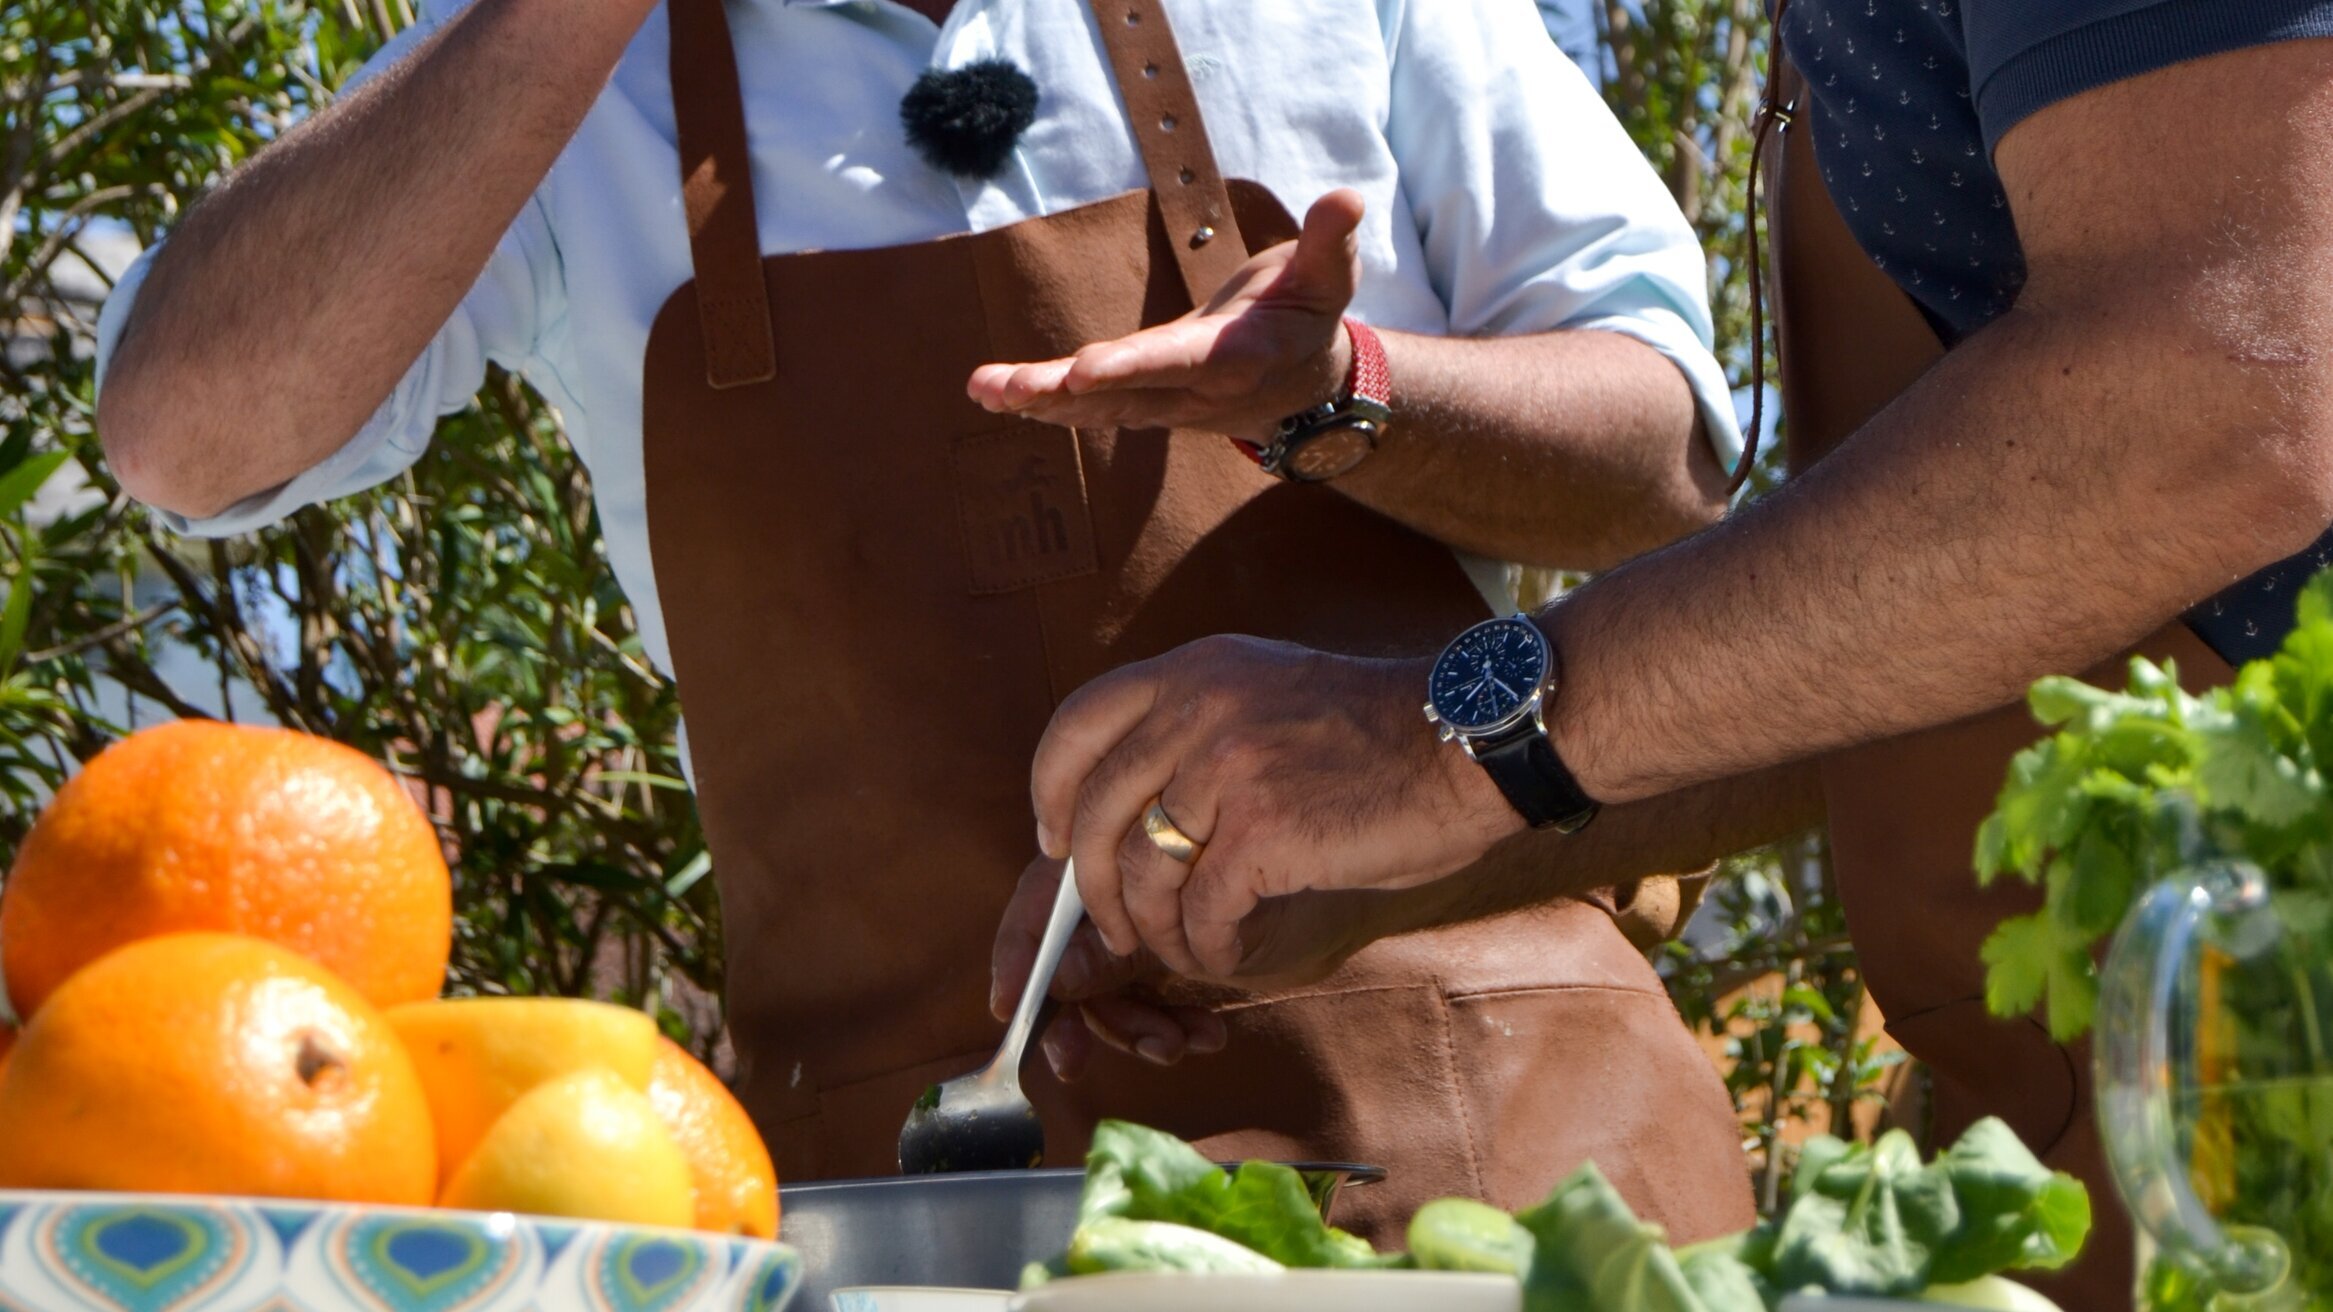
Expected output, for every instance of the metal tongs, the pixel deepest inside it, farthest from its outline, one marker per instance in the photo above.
(983, 1121)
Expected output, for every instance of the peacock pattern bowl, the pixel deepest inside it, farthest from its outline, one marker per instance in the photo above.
(72, 1252)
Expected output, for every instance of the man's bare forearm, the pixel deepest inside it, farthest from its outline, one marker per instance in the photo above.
(289, 303)
(1574, 449)
(2052, 491)
(1674, 833)
(1570, 448)
(2152, 422)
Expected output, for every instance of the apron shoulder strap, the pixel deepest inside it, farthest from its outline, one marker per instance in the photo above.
(1176, 150)
(1773, 115)
(716, 170)
(716, 165)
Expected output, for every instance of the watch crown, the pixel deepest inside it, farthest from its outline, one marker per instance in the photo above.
(1432, 716)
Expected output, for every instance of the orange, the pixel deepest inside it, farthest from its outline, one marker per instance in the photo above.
(198, 825)
(737, 1186)
(214, 1063)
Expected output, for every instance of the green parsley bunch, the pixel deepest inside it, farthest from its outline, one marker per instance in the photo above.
(2132, 787)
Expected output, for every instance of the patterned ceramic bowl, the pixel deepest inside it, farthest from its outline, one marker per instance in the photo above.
(74, 1252)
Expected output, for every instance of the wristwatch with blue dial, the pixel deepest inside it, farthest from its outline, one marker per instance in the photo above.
(1488, 693)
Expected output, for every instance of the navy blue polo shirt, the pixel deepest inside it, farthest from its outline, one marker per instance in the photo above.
(1912, 96)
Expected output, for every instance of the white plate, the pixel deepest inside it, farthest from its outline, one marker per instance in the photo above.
(1286, 1291)
(1992, 1291)
(1861, 1303)
(903, 1298)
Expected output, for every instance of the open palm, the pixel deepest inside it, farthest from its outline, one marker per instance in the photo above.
(1266, 346)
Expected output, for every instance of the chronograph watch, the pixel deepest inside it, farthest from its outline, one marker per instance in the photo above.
(1488, 693)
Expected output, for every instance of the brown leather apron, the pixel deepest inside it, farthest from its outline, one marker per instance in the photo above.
(877, 593)
(1903, 813)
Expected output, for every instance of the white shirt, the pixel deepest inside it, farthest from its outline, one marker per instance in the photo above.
(1502, 199)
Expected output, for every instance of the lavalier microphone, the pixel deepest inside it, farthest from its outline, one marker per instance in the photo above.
(967, 120)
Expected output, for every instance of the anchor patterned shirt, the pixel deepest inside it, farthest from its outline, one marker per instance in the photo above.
(1911, 96)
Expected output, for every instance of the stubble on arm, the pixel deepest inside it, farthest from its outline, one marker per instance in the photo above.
(1572, 449)
(293, 298)
(2151, 422)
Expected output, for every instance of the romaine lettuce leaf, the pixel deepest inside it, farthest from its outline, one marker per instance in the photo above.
(1868, 1220)
(1140, 1174)
(1460, 1234)
(1723, 1282)
(2016, 1214)
(1110, 1243)
(1729, 1274)
(1591, 1253)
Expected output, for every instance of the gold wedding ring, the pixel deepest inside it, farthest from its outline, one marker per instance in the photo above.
(1163, 834)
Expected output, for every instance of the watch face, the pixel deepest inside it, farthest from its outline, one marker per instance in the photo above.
(1485, 679)
(1329, 452)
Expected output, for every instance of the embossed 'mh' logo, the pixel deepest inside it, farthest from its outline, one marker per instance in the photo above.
(1035, 527)
(1021, 498)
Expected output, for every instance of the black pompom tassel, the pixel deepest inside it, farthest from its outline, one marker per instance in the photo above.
(967, 120)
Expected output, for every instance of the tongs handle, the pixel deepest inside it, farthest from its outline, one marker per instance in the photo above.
(1068, 910)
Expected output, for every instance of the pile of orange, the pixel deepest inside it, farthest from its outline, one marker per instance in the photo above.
(224, 946)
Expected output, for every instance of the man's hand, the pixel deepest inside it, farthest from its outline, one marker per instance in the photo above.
(1289, 942)
(1298, 771)
(1102, 995)
(1268, 345)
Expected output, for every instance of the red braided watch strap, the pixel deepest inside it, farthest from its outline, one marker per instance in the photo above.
(1368, 379)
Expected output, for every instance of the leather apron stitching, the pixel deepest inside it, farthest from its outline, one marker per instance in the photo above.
(1465, 1119)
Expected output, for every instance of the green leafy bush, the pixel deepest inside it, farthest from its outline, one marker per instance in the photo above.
(2136, 784)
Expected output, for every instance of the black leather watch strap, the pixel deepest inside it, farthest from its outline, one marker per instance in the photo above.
(1527, 770)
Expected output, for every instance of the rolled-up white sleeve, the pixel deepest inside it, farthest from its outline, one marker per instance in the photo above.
(501, 320)
(1534, 209)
